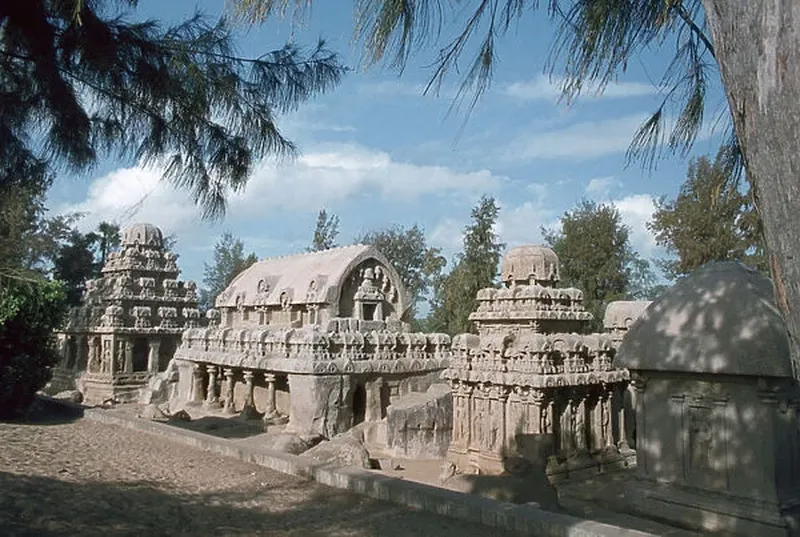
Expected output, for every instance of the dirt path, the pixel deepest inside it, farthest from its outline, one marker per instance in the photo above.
(79, 477)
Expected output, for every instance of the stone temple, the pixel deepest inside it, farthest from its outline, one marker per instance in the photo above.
(129, 323)
(318, 338)
(718, 436)
(532, 383)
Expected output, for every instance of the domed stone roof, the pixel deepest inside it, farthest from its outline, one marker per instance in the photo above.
(530, 261)
(720, 319)
(144, 235)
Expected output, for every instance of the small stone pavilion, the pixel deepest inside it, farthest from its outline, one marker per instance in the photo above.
(532, 384)
(620, 315)
(718, 445)
(320, 338)
(130, 321)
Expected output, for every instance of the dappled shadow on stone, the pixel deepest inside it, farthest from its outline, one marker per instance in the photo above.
(716, 418)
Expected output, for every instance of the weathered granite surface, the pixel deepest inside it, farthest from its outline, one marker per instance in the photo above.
(420, 425)
(718, 446)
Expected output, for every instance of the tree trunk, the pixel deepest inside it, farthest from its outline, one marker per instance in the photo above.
(757, 45)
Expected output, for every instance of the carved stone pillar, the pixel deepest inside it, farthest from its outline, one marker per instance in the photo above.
(497, 420)
(607, 406)
(248, 396)
(618, 403)
(270, 411)
(212, 401)
(565, 426)
(127, 351)
(249, 410)
(537, 412)
(152, 356)
(197, 385)
(229, 406)
(579, 420)
(81, 356)
(639, 384)
(108, 360)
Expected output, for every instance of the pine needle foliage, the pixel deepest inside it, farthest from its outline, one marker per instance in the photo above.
(78, 81)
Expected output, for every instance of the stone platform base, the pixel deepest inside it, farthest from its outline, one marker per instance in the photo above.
(712, 513)
(99, 388)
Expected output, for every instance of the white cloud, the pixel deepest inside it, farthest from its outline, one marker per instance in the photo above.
(636, 210)
(580, 140)
(545, 88)
(134, 194)
(448, 235)
(341, 172)
(601, 187)
(321, 177)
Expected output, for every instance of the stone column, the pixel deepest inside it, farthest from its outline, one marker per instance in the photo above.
(639, 383)
(197, 384)
(229, 406)
(212, 401)
(152, 355)
(127, 347)
(270, 411)
(248, 379)
(579, 420)
(82, 345)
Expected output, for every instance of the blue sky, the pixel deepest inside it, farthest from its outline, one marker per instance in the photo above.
(376, 152)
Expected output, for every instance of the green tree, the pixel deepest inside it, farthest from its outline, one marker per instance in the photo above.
(418, 264)
(75, 264)
(710, 220)
(30, 312)
(229, 261)
(594, 249)
(475, 269)
(325, 233)
(596, 41)
(79, 82)
(108, 240)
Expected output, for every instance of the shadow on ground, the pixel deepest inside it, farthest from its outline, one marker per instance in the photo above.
(48, 411)
(233, 427)
(37, 506)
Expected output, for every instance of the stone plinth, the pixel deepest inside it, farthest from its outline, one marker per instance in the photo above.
(718, 447)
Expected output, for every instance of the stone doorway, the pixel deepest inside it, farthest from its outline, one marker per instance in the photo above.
(140, 351)
(359, 404)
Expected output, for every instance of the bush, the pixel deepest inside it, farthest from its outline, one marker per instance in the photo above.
(30, 311)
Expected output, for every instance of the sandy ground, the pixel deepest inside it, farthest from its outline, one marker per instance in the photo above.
(67, 476)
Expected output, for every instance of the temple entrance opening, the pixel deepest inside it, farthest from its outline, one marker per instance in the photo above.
(140, 351)
(359, 404)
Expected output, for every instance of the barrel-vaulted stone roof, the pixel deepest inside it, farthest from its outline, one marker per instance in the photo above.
(720, 319)
(307, 278)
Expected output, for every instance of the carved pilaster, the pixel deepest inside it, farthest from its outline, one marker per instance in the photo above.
(270, 410)
(197, 384)
(229, 380)
(212, 401)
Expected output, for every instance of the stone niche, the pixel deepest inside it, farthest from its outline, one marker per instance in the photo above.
(718, 444)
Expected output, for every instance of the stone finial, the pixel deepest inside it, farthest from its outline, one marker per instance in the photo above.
(530, 264)
(145, 235)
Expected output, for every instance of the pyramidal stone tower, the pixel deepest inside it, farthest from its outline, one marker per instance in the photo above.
(532, 384)
(130, 321)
